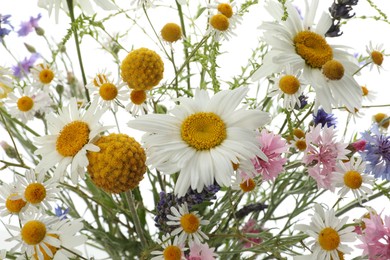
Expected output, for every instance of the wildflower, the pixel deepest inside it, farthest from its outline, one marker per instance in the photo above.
(201, 252)
(322, 154)
(24, 103)
(119, 165)
(376, 153)
(382, 120)
(251, 227)
(359, 145)
(187, 224)
(202, 137)
(10, 201)
(61, 213)
(220, 26)
(302, 100)
(368, 94)
(339, 10)
(227, 8)
(29, 26)
(72, 135)
(328, 234)
(171, 32)
(4, 20)
(142, 69)
(350, 177)
(328, 69)
(273, 146)
(139, 102)
(376, 55)
(23, 68)
(324, 118)
(172, 250)
(44, 76)
(244, 182)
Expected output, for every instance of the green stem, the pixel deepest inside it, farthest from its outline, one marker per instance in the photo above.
(183, 29)
(136, 221)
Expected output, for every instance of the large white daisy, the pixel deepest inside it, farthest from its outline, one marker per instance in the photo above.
(72, 133)
(202, 138)
(303, 46)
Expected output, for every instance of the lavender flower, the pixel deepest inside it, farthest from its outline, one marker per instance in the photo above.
(23, 67)
(61, 213)
(29, 26)
(4, 21)
(340, 10)
(377, 153)
(303, 100)
(324, 118)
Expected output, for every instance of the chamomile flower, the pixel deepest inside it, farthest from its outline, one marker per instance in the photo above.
(202, 138)
(188, 224)
(72, 133)
(382, 120)
(36, 191)
(368, 94)
(44, 75)
(172, 250)
(10, 201)
(328, 69)
(328, 234)
(376, 56)
(244, 182)
(227, 8)
(350, 177)
(24, 103)
(220, 25)
(139, 102)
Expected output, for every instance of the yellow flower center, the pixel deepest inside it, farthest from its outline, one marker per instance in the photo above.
(46, 76)
(171, 32)
(190, 223)
(329, 239)
(25, 103)
(99, 79)
(379, 118)
(298, 133)
(219, 22)
(313, 48)
(14, 206)
(108, 91)
(333, 70)
(377, 57)
(353, 179)
(365, 91)
(72, 138)
(51, 248)
(225, 9)
(33, 232)
(301, 144)
(172, 253)
(138, 97)
(289, 84)
(35, 193)
(203, 131)
(248, 185)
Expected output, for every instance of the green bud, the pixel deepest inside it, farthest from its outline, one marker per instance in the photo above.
(160, 109)
(60, 89)
(30, 48)
(40, 31)
(9, 150)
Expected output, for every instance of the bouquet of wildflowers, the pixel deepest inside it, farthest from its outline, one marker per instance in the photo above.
(160, 155)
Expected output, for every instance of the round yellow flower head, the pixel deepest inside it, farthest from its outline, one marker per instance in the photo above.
(171, 32)
(142, 69)
(120, 164)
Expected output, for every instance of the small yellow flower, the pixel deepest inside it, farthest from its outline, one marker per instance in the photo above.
(171, 32)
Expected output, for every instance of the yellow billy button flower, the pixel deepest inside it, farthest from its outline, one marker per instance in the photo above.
(142, 69)
(25, 103)
(248, 185)
(378, 118)
(333, 70)
(219, 22)
(33, 232)
(313, 48)
(13, 204)
(171, 32)
(289, 84)
(225, 9)
(108, 91)
(119, 165)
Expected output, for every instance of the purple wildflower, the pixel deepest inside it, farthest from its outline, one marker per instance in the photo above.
(29, 26)
(4, 21)
(23, 67)
(303, 100)
(324, 118)
(61, 213)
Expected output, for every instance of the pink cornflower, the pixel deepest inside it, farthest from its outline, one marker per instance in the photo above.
(272, 146)
(359, 145)
(376, 237)
(322, 154)
(251, 227)
(201, 252)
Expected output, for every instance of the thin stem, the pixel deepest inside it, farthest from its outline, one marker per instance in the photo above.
(136, 221)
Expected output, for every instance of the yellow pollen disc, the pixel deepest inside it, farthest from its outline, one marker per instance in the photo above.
(99, 79)
(225, 9)
(333, 70)
(172, 253)
(171, 32)
(33, 232)
(219, 22)
(301, 144)
(365, 91)
(313, 48)
(329, 239)
(51, 248)
(379, 117)
(14, 206)
(72, 138)
(190, 223)
(25, 103)
(108, 91)
(377, 57)
(353, 179)
(138, 97)
(298, 133)
(248, 185)
(289, 84)
(35, 193)
(46, 76)
(203, 130)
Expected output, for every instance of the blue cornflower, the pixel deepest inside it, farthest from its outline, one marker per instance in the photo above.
(324, 118)
(377, 153)
(61, 213)
(303, 100)
(4, 21)
(29, 26)
(23, 67)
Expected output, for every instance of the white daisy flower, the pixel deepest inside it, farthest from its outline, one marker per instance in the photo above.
(139, 102)
(222, 23)
(188, 224)
(328, 233)
(72, 133)
(36, 191)
(101, 77)
(11, 202)
(45, 76)
(175, 249)
(297, 42)
(350, 177)
(368, 94)
(228, 9)
(202, 138)
(24, 103)
(376, 55)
